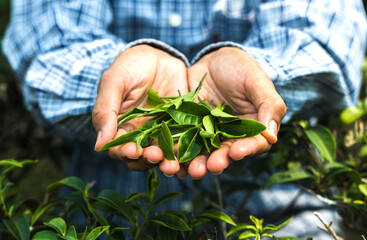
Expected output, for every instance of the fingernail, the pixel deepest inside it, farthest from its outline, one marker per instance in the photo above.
(273, 128)
(167, 175)
(150, 161)
(217, 173)
(99, 135)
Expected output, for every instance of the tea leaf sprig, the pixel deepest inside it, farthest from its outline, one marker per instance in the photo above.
(194, 125)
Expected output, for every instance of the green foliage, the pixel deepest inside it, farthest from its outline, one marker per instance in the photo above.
(40, 222)
(194, 125)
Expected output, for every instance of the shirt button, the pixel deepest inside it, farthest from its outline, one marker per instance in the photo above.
(175, 20)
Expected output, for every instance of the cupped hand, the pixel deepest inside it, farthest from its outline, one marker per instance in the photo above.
(235, 78)
(124, 85)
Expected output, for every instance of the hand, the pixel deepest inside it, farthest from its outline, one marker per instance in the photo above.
(235, 78)
(125, 85)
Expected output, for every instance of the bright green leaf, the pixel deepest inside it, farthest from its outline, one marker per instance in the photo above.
(246, 235)
(189, 145)
(41, 210)
(153, 98)
(363, 188)
(323, 140)
(241, 127)
(184, 118)
(237, 228)
(73, 182)
(214, 214)
(58, 224)
(123, 139)
(165, 142)
(95, 233)
(45, 235)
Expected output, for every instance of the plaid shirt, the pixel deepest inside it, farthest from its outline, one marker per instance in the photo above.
(312, 50)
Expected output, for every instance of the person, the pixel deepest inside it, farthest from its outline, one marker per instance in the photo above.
(83, 63)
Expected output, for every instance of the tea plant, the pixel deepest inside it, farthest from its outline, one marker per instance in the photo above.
(27, 219)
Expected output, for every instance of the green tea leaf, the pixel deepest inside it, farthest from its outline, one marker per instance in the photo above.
(215, 141)
(246, 235)
(41, 210)
(184, 118)
(95, 233)
(116, 201)
(237, 228)
(18, 228)
(287, 176)
(73, 182)
(134, 111)
(156, 112)
(123, 139)
(217, 215)
(166, 197)
(189, 145)
(210, 107)
(152, 182)
(171, 221)
(323, 140)
(71, 233)
(208, 123)
(216, 112)
(140, 195)
(11, 162)
(45, 235)
(285, 223)
(363, 188)
(205, 134)
(335, 168)
(194, 108)
(165, 142)
(258, 222)
(154, 99)
(242, 127)
(178, 129)
(58, 224)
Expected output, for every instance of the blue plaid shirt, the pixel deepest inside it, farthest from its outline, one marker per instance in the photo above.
(311, 50)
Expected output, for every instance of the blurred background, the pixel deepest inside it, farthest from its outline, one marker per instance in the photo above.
(20, 137)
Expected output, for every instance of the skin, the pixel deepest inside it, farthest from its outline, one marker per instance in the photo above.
(125, 85)
(235, 78)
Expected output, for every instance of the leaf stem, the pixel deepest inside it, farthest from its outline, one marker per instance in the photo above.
(328, 227)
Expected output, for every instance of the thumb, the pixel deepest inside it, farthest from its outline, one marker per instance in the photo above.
(106, 108)
(271, 114)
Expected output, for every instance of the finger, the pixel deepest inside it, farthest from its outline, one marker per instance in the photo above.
(219, 159)
(249, 147)
(153, 154)
(126, 152)
(169, 167)
(197, 168)
(106, 108)
(182, 173)
(140, 165)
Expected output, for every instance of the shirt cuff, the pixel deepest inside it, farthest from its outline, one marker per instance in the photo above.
(159, 45)
(273, 71)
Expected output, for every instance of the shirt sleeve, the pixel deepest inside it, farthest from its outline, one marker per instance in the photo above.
(311, 50)
(59, 50)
